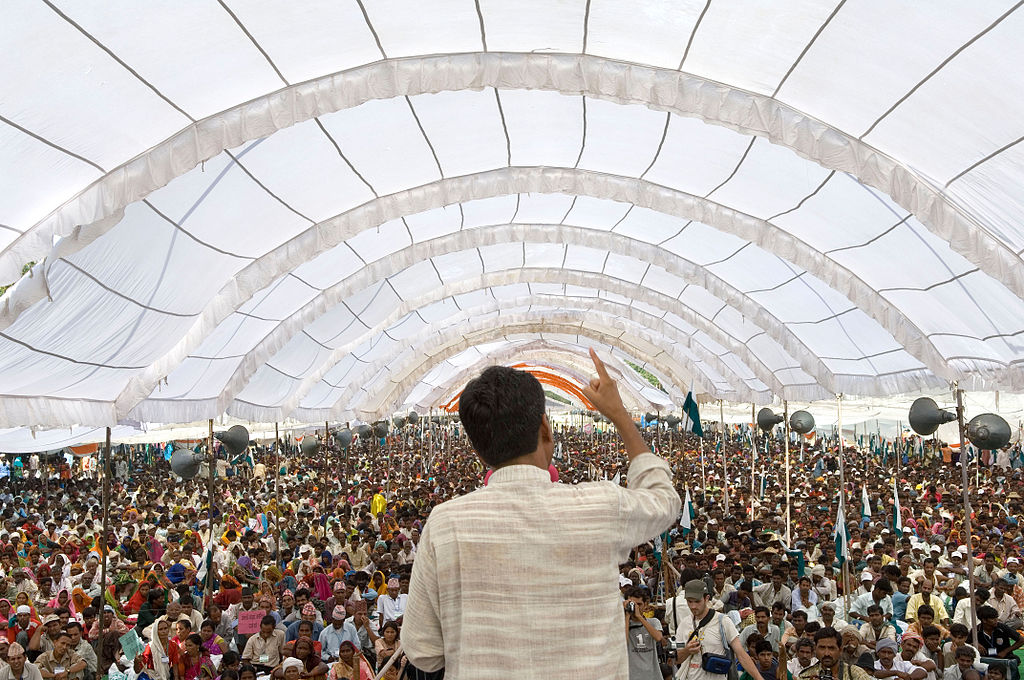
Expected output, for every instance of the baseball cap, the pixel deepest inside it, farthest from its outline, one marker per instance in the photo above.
(695, 590)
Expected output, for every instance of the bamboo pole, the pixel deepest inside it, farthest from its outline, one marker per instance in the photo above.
(105, 549)
(842, 502)
(211, 464)
(277, 494)
(753, 456)
(725, 458)
(785, 424)
(965, 480)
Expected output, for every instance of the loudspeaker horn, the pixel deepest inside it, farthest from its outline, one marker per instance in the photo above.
(413, 417)
(767, 419)
(988, 431)
(380, 429)
(926, 416)
(801, 422)
(185, 462)
(235, 440)
(364, 431)
(344, 438)
(310, 445)
(651, 417)
(399, 421)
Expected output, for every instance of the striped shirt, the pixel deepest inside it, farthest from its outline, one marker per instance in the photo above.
(522, 575)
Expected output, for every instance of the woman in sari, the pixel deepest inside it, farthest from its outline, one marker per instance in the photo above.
(313, 666)
(23, 600)
(151, 609)
(195, 660)
(212, 643)
(378, 583)
(6, 612)
(138, 597)
(63, 600)
(350, 664)
(160, 656)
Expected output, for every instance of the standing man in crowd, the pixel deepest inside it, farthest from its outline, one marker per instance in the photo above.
(490, 564)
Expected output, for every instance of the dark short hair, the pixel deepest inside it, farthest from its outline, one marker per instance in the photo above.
(762, 646)
(959, 629)
(987, 612)
(502, 410)
(804, 642)
(925, 609)
(829, 634)
(929, 631)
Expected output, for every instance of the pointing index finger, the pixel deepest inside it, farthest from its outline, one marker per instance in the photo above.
(602, 372)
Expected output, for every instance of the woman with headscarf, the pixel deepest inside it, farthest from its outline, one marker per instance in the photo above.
(160, 656)
(6, 610)
(64, 600)
(138, 597)
(321, 586)
(303, 650)
(350, 664)
(151, 609)
(23, 600)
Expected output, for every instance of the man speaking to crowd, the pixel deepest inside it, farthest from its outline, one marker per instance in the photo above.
(522, 575)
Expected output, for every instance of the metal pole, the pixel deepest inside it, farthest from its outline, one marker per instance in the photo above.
(104, 549)
(725, 459)
(959, 393)
(277, 495)
(211, 464)
(785, 422)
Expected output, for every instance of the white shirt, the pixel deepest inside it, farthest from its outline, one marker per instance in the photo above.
(711, 642)
(492, 565)
(392, 607)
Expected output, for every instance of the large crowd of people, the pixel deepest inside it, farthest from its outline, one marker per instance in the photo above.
(302, 567)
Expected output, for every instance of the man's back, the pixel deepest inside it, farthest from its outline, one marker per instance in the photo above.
(523, 574)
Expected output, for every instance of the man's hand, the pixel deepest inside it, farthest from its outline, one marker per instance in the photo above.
(603, 393)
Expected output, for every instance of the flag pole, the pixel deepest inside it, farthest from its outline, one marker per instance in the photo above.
(789, 521)
(703, 479)
(725, 463)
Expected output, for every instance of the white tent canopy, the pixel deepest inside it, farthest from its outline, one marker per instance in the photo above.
(310, 209)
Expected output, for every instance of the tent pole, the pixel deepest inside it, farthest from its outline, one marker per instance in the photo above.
(965, 480)
(753, 456)
(785, 421)
(104, 549)
(725, 461)
(277, 495)
(211, 464)
(842, 499)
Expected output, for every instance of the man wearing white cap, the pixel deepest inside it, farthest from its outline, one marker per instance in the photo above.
(18, 667)
(22, 630)
(822, 584)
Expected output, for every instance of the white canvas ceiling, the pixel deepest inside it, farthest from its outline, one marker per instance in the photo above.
(330, 210)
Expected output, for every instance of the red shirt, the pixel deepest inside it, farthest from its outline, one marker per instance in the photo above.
(12, 631)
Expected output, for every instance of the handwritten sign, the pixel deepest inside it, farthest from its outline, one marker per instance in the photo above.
(249, 621)
(131, 644)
